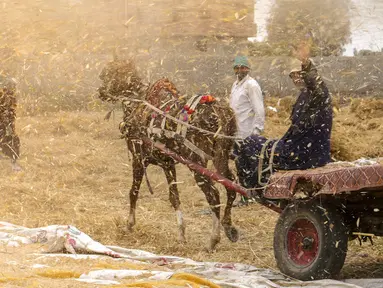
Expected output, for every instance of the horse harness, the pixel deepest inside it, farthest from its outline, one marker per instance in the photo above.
(182, 121)
(184, 117)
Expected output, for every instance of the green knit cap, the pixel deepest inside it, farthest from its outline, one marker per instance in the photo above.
(241, 61)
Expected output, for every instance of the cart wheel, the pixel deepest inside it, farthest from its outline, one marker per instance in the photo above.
(310, 241)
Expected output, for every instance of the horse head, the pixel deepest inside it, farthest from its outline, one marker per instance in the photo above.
(120, 81)
(154, 94)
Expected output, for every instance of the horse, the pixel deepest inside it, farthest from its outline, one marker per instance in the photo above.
(9, 140)
(204, 116)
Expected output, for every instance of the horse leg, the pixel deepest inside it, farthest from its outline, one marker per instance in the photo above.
(138, 173)
(230, 231)
(212, 197)
(221, 164)
(171, 177)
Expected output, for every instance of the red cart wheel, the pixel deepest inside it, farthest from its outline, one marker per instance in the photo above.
(302, 242)
(310, 241)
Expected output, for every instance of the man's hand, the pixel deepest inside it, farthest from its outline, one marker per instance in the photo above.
(302, 52)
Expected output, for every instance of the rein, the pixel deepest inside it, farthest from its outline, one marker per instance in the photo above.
(160, 112)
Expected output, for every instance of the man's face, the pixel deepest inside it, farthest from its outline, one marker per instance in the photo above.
(297, 78)
(241, 71)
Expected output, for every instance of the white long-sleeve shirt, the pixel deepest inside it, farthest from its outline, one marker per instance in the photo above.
(246, 100)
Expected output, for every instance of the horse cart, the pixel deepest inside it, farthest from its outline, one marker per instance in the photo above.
(320, 211)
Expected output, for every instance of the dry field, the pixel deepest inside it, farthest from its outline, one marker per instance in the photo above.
(77, 172)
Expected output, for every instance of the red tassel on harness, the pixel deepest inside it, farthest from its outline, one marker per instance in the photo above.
(207, 99)
(188, 110)
(204, 99)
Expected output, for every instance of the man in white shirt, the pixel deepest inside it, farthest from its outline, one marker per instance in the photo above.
(246, 100)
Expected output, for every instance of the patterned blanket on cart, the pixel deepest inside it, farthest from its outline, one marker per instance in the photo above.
(333, 178)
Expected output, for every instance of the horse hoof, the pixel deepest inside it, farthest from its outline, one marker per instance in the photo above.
(208, 249)
(181, 237)
(129, 228)
(212, 245)
(16, 168)
(231, 233)
(123, 231)
(182, 240)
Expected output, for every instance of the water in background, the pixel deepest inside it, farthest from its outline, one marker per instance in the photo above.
(366, 18)
(366, 26)
(262, 10)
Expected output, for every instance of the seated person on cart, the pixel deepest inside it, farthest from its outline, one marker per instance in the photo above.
(306, 144)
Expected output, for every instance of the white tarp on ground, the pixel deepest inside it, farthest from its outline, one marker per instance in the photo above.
(179, 271)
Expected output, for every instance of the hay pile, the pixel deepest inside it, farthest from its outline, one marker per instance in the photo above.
(358, 130)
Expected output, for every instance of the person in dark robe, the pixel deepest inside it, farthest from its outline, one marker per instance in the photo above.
(9, 140)
(305, 145)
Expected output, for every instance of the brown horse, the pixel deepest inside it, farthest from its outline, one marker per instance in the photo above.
(122, 83)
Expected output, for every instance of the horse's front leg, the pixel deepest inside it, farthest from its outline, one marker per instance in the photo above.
(212, 197)
(221, 164)
(138, 174)
(171, 177)
(230, 231)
